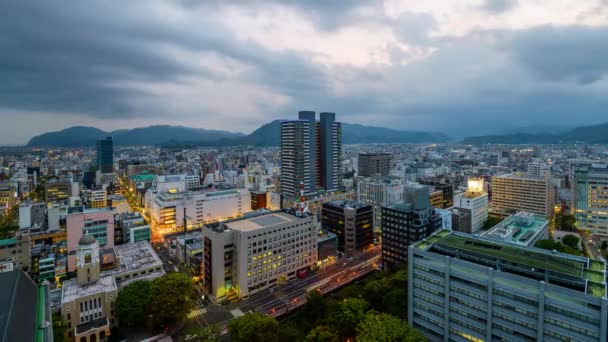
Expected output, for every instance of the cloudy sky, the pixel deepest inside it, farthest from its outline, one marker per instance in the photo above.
(466, 67)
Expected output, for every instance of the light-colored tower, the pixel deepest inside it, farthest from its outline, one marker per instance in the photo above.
(87, 260)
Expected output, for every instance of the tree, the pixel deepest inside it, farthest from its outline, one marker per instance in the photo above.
(132, 303)
(571, 240)
(59, 328)
(380, 327)
(549, 244)
(254, 327)
(351, 311)
(288, 332)
(315, 309)
(321, 333)
(395, 302)
(171, 298)
(209, 333)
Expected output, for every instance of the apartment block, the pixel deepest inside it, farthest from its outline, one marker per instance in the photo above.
(523, 192)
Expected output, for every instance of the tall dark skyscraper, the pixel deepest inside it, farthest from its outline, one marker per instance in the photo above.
(105, 155)
(310, 152)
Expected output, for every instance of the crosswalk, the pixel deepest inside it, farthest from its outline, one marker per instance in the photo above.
(196, 313)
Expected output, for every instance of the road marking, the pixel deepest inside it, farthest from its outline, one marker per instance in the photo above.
(197, 312)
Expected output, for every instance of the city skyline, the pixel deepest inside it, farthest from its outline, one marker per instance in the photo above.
(462, 66)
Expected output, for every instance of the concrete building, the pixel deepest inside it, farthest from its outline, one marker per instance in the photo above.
(134, 228)
(7, 197)
(97, 198)
(589, 195)
(466, 288)
(259, 200)
(57, 191)
(352, 222)
(245, 256)
(523, 229)
(167, 208)
(436, 198)
(310, 153)
(98, 223)
(440, 184)
(105, 155)
(521, 192)
(474, 199)
(374, 164)
(86, 301)
(17, 250)
(402, 225)
(461, 220)
(32, 215)
(380, 191)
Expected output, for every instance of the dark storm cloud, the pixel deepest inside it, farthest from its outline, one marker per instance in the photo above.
(78, 58)
(570, 53)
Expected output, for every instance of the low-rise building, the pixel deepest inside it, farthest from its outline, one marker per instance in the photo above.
(522, 228)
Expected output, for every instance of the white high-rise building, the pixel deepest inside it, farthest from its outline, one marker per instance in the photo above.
(474, 199)
(380, 191)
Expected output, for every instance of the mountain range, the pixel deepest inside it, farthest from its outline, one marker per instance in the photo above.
(266, 135)
(593, 134)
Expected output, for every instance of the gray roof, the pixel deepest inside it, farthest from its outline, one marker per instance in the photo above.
(18, 301)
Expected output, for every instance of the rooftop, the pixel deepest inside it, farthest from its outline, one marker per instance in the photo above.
(588, 271)
(518, 229)
(136, 255)
(263, 221)
(72, 290)
(348, 204)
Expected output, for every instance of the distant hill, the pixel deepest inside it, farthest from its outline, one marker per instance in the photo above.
(266, 135)
(594, 134)
(153, 135)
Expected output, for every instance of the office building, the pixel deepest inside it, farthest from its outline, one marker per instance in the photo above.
(436, 198)
(374, 164)
(310, 154)
(352, 222)
(245, 256)
(380, 191)
(327, 248)
(25, 309)
(461, 220)
(474, 199)
(17, 249)
(167, 208)
(440, 184)
(56, 191)
(402, 225)
(98, 223)
(589, 195)
(105, 155)
(133, 228)
(523, 192)
(466, 288)
(32, 215)
(259, 200)
(7, 197)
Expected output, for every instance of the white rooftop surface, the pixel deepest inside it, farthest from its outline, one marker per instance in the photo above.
(136, 255)
(257, 222)
(72, 290)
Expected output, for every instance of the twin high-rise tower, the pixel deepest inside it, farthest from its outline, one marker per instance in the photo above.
(310, 153)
